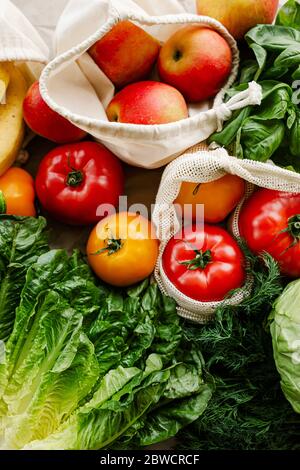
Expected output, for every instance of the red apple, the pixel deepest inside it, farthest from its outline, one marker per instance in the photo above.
(147, 103)
(197, 61)
(47, 123)
(126, 54)
(238, 16)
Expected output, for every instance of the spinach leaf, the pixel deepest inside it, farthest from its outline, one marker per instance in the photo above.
(133, 324)
(275, 72)
(292, 115)
(185, 398)
(167, 421)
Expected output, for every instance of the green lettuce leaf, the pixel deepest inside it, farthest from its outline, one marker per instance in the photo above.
(87, 366)
(61, 390)
(70, 278)
(99, 422)
(22, 241)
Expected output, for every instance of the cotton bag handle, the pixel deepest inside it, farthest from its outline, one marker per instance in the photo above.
(250, 97)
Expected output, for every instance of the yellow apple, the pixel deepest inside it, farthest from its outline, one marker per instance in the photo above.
(239, 16)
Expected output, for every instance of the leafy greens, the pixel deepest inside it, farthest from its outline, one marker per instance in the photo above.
(22, 241)
(269, 131)
(86, 366)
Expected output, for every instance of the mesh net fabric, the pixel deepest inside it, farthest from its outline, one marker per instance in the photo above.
(200, 165)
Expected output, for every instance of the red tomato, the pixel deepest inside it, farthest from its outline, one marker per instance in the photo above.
(270, 222)
(205, 265)
(74, 180)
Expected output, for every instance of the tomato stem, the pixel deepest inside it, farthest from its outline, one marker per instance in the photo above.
(195, 192)
(3, 207)
(294, 226)
(293, 229)
(75, 177)
(201, 260)
(112, 246)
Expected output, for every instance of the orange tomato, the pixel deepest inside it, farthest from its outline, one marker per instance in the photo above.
(122, 249)
(219, 197)
(17, 193)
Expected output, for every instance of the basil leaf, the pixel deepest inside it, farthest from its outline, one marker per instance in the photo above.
(292, 115)
(248, 71)
(289, 15)
(261, 139)
(276, 104)
(273, 38)
(275, 72)
(294, 138)
(296, 74)
(260, 55)
(288, 58)
(228, 133)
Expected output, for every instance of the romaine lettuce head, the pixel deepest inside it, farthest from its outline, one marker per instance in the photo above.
(22, 241)
(285, 330)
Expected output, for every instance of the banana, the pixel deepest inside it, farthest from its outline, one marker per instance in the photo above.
(12, 126)
(4, 82)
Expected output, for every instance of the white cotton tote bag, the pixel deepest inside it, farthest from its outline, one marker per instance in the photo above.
(74, 86)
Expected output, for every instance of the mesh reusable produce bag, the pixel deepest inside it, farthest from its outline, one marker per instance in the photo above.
(200, 165)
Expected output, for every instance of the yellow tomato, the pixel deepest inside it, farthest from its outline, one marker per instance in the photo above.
(17, 193)
(122, 249)
(219, 197)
